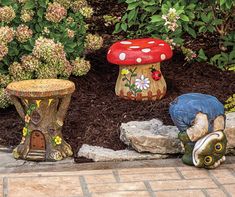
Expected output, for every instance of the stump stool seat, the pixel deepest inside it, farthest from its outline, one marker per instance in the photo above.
(42, 104)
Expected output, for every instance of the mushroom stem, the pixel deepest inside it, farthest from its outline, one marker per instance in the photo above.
(137, 82)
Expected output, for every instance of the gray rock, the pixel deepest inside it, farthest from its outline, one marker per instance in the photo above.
(230, 132)
(151, 136)
(97, 153)
(8, 161)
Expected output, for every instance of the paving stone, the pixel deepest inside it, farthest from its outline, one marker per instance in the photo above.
(146, 170)
(230, 132)
(1, 187)
(187, 193)
(147, 177)
(224, 176)
(97, 153)
(151, 136)
(183, 184)
(216, 193)
(95, 179)
(123, 194)
(44, 187)
(115, 187)
(230, 189)
(195, 174)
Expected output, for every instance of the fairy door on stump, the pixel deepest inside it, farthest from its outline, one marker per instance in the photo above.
(37, 146)
(37, 141)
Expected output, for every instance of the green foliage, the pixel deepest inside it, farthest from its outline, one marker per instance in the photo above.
(43, 39)
(171, 20)
(230, 104)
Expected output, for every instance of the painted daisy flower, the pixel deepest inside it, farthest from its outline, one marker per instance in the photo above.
(57, 140)
(125, 71)
(142, 83)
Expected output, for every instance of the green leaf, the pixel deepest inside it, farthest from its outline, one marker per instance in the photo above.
(192, 32)
(124, 26)
(28, 47)
(202, 55)
(131, 15)
(132, 6)
(42, 3)
(40, 12)
(29, 5)
(184, 18)
(156, 18)
(7, 2)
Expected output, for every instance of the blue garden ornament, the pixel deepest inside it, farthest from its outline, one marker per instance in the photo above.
(201, 121)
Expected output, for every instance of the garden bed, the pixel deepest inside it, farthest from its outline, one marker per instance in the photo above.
(96, 113)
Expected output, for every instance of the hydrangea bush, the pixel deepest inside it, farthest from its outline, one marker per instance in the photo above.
(43, 39)
(171, 20)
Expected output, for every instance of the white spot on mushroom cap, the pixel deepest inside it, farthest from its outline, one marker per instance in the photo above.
(139, 60)
(109, 51)
(126, 42)
(146, 50)
(122, 56)
(163, 56)
(161, 44)
(134, 47)
(151, 42)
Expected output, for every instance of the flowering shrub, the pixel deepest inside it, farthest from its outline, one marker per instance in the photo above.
(172, 19)
(43, 39)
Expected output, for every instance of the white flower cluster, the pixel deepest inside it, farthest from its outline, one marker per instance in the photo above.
(171, 19)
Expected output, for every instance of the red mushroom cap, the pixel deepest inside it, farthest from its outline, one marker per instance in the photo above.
(139, 51)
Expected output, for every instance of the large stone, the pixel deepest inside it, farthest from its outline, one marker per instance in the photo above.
(97, 153)
(151, 136)
(230, 132)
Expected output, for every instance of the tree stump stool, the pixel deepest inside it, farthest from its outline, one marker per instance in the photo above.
(42, 104)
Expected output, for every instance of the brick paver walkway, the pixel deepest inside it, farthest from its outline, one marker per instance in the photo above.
(134, 182)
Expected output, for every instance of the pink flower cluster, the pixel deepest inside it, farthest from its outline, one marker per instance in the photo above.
(6, 34)
(70, 33)
(171, 19)
(26, 15)
(7, 14)
(49, 51)
(189, 53)
(55, 12)
(30, 63)
(23, 33)
(3, 51)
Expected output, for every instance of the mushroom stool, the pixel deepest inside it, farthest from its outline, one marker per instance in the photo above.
(201, 121)
(42, 104)
(140, 77)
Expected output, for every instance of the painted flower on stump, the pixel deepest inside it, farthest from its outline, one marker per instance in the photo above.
(57, 140)
(25, 131)
(142, 83)
(27, 118)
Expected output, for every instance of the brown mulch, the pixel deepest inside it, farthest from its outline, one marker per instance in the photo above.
(96, 113)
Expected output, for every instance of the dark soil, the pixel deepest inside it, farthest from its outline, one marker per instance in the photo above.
(96, 113)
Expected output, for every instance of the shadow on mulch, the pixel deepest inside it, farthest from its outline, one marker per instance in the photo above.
(96, 113)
